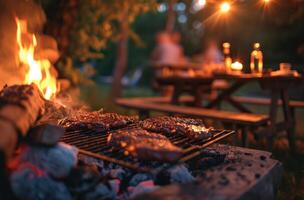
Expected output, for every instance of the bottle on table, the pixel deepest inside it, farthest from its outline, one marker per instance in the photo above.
(256, 59)
(227, 57)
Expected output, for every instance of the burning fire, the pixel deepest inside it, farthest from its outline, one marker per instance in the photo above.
(39, 71)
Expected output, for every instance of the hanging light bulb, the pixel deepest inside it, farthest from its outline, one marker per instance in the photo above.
(198, 5)
(225, 7)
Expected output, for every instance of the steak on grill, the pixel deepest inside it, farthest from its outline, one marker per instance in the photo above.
(96, 120)
(144, 145)
(191, 128)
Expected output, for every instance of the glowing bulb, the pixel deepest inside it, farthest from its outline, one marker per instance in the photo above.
(237, 66)
(266, 1)
(201, 3)
(225, 7)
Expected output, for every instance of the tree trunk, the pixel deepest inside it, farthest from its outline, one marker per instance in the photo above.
(122, 54)
(61, 21)
(170, 16)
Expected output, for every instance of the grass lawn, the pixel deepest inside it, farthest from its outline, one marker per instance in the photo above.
(292, 186)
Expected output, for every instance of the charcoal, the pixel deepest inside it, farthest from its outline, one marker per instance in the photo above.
(143, 187)
(137, 178)
(208, 160)
(82, 179)
(180, 174)
(101, 192)
(29, 182)
(56, 161)
(177, 174)
(115, 185)
(117, 173)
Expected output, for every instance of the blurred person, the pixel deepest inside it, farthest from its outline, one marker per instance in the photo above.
(167, 52)
(211, 58)
(168, 49)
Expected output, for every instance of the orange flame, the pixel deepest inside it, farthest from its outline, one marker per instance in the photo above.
(39, 71)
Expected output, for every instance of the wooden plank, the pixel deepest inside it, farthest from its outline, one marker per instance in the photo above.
(226, 93)
(264, 101)
(240, 99)
(241, 118)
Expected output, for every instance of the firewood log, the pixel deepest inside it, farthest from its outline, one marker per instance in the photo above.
(20, 106)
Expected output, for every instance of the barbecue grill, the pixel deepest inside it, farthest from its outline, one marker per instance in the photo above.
(93, 143)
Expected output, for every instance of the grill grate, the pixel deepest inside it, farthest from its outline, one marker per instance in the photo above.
(94, 144)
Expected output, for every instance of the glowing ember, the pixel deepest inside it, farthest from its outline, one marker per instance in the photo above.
(39, 71)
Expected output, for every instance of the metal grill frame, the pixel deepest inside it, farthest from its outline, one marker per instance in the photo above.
(93, 143)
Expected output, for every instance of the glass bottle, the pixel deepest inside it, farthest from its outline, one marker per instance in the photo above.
(256, 59)
(227, 57)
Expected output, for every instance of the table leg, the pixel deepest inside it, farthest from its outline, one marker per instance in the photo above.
(288, 116)
(225, 94)
(176, 93)
(244, 136)
(200, 92)
(273, 117)
(237, 105)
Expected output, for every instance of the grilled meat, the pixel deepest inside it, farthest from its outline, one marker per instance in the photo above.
(96, 120)
(115, 121)
(145, 145)
(191, 128)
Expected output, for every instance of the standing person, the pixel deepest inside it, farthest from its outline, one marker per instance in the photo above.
(167, 52)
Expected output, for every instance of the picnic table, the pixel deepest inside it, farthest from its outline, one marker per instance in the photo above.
(278, 87)
(179, 68)
(179, 65)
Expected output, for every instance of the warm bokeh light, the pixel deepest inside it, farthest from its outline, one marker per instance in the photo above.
(257, 45)
(198, 5)
(226, 45)
(237, 66)
(225, 7)
(266, 1)
(201, 3)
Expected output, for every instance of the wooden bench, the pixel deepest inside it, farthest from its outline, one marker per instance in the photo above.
(243, 121)
(240, 99)
(265, 101)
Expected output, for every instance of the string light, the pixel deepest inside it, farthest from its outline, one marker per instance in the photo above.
(201, 3)
(225, 7)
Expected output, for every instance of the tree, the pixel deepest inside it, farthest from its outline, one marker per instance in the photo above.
(170, 16)
(124, 13)
(96, 23)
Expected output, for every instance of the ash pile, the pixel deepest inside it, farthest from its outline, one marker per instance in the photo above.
(39, 166)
